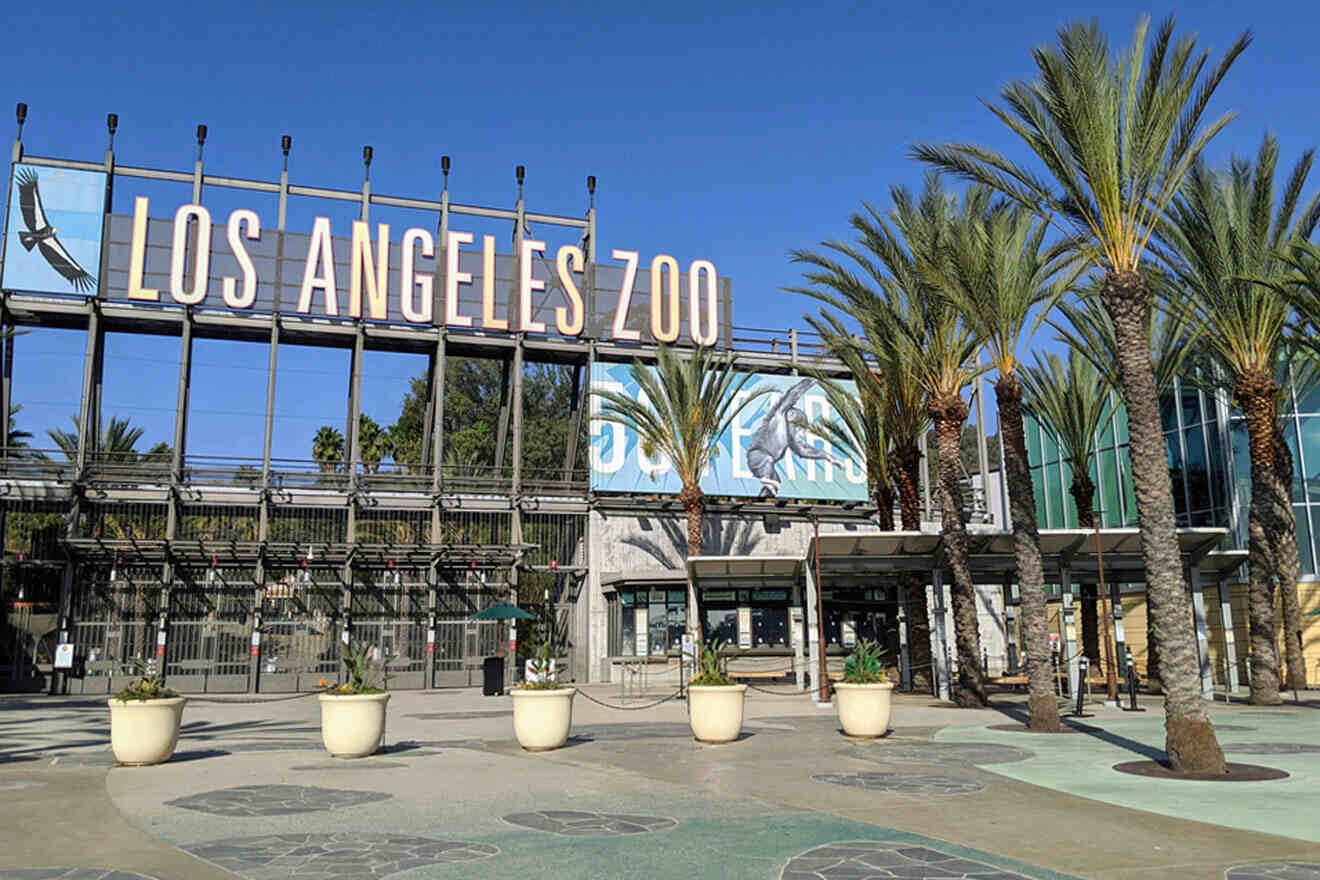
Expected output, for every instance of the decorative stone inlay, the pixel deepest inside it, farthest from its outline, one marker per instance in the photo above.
(274, 800)
(867, 859)
(902, 783)
(575, 823)
(334, 856)
(1271, 748)
(943, 753)
(652, 730)
(69, 874)
(1275, 871)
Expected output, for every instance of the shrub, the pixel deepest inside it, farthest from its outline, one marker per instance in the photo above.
(863, 664)
(711, 666)
(149, 686)
(361, 671)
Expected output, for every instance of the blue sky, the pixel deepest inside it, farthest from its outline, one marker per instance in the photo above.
(720, 132)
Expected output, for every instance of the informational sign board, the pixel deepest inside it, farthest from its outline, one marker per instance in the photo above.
(795, 626)
(689, 649)
(744, 628)
(848, 627)
(773, 448)
(53, 242)
(642, 638)
(64, 656)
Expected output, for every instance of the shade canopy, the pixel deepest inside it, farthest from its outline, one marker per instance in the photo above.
(503, 611)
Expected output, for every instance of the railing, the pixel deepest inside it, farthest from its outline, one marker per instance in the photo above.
(41, 464)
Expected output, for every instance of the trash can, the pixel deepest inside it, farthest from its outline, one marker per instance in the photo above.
(492, 676)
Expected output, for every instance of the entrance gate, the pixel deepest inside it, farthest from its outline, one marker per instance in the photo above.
(389, 615)
(301, 627)
(210, 627)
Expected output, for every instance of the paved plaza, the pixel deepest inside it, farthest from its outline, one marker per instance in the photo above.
(949, 793)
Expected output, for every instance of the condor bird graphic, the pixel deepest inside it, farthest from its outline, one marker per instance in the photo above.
(41, 235)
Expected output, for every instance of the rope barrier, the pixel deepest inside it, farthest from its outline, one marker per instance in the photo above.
(237, 700)
(629, 708)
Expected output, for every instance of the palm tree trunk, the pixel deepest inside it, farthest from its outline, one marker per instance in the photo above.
(1083, 493)
(1288, 564)
(1255, 394)
(884, 506)
(907, 467)
(1189, 738)
(949, 413)
(694, 505)
(1044, 711)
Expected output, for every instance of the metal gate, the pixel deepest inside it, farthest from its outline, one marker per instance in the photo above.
(210, 627)
(389, 615)
(116, 613)
(301, 626)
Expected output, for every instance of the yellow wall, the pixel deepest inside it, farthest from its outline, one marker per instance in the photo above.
(1134, 629)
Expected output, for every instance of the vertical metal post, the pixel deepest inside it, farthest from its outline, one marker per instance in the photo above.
(354, 435)
(924, 478)
(1010, 625)
(272, 365)
(904, 652)
(982, 449)
(581, 397)
(1230, 641)
(1068, 625)
(823, 680)
(180, 418)
(438, 366)
(1202, 636)
(943, 672)
(517, 406)
(502, 430)
(1116, 608)
(6, 369)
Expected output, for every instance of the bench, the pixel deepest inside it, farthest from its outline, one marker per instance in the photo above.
(783, 673)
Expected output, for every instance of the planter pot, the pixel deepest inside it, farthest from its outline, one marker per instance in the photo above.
(716, 713)
(864, 708)
(145, 731)
(541, 719)
(353, 725)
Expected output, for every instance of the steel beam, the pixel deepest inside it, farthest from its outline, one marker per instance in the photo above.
(502, 432)
(581, 399)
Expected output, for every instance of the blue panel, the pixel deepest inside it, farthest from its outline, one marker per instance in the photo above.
(54, 232)
(767, 450)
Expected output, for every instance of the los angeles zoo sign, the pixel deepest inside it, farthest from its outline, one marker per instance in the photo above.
(55, 226)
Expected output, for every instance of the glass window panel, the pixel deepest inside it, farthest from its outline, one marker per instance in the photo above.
(1120, 424)
(1305, 549)
(1049, 446)
(1310, 431)
(629, 646)
(1310, 426)
(770, 627)
(678, 597)
(722, 625)
(627, 598)
(657, 631)
(1038, 492)
(1032, 429)
(1129, 495)
(1308, 402)
(1111, 514)
(1173, 451)
(1054, 489)
(1191, 405)
(677, 626)
(1197, 471)
(1106, 427)
(1168, 411)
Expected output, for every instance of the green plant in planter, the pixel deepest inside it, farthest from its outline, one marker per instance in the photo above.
(863, 664)
(361, 672)
(543, 668)
(712, 667)
(150, 684)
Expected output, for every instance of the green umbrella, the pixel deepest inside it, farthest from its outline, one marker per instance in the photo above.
(503, 611)
(1314, 612)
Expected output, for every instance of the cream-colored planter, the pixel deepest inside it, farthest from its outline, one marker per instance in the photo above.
(542, 719)
(352, 725)
(864, 708)
(145, 731)
(716, 712)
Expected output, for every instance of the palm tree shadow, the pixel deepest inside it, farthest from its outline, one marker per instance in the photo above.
(718, 538)
(1018, 714)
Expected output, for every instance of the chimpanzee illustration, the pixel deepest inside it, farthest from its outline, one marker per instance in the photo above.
(783, 428)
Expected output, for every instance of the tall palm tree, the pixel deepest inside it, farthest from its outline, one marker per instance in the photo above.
(373, 443)
(858, 428)
(999, 275)
(1117, 135)
(905, 420)
(1073, 400)
(690, 403)
(17, 439)
(328, 449)
(118, 441)
(1222, 231)
(900, 310)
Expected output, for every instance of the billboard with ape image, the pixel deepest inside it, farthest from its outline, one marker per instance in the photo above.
(768, 451)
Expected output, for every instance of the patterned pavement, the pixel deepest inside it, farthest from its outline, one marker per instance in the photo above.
(578, 824)
(902, 783)
(872, 860)
(274, 800)
(334, 856)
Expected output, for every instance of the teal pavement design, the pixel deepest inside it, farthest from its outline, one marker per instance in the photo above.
(1081, 764)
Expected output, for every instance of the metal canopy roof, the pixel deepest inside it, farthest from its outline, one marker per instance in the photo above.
(716, 571)
(991, 553)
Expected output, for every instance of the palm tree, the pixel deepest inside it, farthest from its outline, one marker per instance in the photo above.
(118, 441)
(373, 443)
(904, 316)
(17, 439)
(858, 428)
(1222, 231)
(1117, 135)
(998, 274)
(1073, 400)
(690, 403)
(328, 449)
